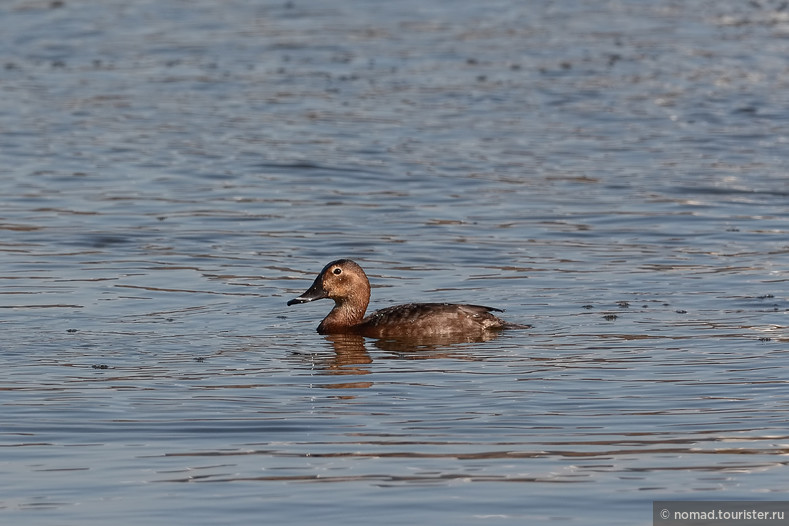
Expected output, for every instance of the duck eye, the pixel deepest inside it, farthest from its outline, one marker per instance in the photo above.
(337, 271)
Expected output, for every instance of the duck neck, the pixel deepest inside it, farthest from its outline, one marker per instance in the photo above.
(343, 316)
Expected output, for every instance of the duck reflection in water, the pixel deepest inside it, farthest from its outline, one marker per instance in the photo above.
(351, 349)
(351, 356)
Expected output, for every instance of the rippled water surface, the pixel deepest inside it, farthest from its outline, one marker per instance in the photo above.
(612, 173)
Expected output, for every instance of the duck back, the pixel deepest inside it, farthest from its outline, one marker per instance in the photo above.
(430, 319)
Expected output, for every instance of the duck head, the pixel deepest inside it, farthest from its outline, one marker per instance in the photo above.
(345, 282)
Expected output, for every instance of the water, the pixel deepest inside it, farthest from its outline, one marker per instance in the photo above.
(612, 173)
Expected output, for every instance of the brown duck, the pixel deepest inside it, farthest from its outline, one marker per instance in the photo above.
(345, 282)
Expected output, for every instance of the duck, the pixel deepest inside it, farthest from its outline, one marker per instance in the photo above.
(345, 282)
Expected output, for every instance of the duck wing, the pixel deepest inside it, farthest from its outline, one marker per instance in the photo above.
(430, 319)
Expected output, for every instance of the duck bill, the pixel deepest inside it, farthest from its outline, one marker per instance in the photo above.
(315, 292)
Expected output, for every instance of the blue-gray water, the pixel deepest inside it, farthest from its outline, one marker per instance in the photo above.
(613, 173)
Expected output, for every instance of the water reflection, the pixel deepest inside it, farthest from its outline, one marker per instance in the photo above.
(352, 357)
